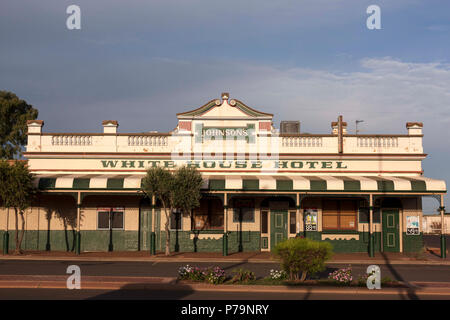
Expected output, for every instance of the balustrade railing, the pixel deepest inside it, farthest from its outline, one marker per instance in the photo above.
(301, 142)
(71, 140)
(378, 142)
(148, 140)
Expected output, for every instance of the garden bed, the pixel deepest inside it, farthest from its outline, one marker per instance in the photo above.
(306, 283)
(216, 276)
(300, 259)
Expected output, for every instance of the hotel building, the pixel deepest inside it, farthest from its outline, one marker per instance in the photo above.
(362, 193)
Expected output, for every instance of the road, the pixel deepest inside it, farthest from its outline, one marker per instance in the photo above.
(432, 273)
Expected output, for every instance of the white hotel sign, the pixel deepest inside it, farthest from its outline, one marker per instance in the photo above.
(225, 164)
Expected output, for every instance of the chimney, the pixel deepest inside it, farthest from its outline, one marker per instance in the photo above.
(185, 126)
(35, 126)
(414, 128)
(110, 126)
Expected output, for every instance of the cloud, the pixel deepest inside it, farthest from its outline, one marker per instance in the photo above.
(439, 27)
(142, 62)
(146, 95)
(386, 92)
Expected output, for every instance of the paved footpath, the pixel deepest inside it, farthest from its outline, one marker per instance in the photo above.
(427, 258)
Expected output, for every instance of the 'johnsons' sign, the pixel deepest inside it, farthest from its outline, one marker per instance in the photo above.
(226, 164)
(219, 133)
(225, 132)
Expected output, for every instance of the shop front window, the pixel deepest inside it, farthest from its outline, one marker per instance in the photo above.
(243, 215)
(292, 222)
(364, 215)
(243, 211)
(264, 221)
(209, 216)
(110, 218)
(175, 220)
(339, 215)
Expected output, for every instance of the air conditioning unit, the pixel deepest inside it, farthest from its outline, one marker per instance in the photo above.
(290, 127)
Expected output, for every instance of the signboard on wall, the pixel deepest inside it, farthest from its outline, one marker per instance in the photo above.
(310, 219)
(412, 225)
(296, 165)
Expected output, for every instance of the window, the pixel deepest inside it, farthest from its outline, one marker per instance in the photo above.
(244, 211)
(103, 220)
(264, 222)
(364, 215)
(339, 215)
(175, 220)
(110, 218)
(292, 221)
(244, 215)
(209, 216)
(330, 214)
(117, 219)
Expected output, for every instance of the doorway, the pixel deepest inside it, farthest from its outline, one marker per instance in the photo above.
(278, 227)
(391, 235)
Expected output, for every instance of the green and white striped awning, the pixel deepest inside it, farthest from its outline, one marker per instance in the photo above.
(70, 182)
(256, 183)
(327, 183)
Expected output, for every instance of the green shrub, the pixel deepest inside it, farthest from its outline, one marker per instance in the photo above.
(243, 276)
(302, 256)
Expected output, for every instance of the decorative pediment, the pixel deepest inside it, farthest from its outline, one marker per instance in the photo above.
(224, 108)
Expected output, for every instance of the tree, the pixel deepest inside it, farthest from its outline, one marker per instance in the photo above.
(16, 191)
(14, 113)
(177, 190)
(160, 183)
(188, 182)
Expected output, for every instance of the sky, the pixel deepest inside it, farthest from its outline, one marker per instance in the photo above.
(141, 62)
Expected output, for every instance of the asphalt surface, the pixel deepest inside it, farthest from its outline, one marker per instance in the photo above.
(432, 273)
(129, 294)
(434, 241)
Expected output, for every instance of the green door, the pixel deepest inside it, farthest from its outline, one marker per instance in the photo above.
(278, 227)
(391, 239)
(145, 228)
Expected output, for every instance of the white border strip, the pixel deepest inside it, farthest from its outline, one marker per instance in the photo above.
(333, 183)
(433, 184)
(233, 182)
